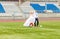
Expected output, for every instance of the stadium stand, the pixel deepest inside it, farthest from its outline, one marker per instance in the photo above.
(12, 11)
(26, 8)
(11, 8)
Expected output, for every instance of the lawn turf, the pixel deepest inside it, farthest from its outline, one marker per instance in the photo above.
(16, 30)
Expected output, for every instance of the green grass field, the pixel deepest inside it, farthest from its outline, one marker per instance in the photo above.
(16, 30)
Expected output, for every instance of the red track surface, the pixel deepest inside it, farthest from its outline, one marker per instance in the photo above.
(41, 19)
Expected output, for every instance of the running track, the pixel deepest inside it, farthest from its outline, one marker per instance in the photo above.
(41, 19)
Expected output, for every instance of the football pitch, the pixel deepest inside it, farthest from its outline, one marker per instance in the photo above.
(16, 30)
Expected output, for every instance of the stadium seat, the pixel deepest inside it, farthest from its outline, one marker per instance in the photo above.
(1, 9)
(38, 8)
(41, 9)
(11, 8)
(53, 8)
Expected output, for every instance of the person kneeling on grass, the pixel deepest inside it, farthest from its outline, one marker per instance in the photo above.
(30, 21)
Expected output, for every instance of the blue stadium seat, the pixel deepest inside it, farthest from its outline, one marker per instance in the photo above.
(1, 9)
(38, 8)
(53, 8)
(56, 11)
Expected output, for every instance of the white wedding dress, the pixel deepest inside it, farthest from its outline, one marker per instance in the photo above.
(31, 19)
